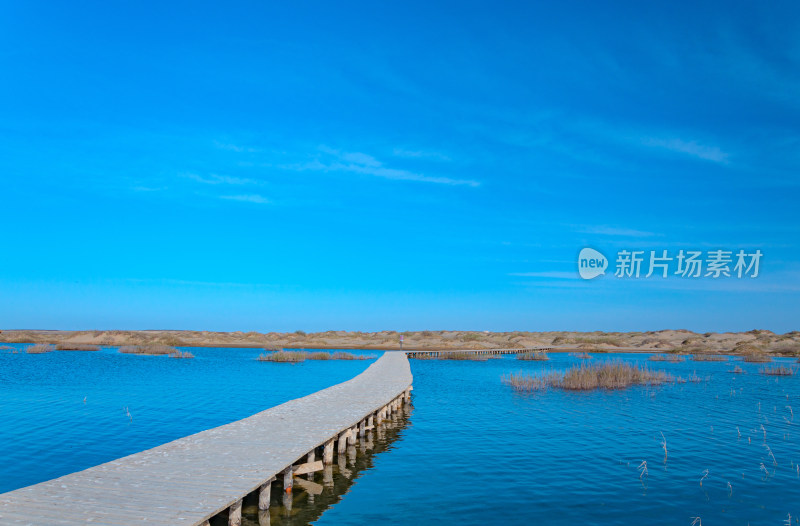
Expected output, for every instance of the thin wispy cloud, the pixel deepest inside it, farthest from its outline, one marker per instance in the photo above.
(691, 148)
(554, 274)
(605, 230)
(247, 198)
(236, 147)
(148, 188)
(365, 164)
(219, 179)
(419, 154)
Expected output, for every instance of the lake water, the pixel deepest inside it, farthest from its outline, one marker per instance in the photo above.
(472, 451)
(47, 430)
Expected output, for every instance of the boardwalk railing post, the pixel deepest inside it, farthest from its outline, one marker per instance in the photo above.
(264, 494)
(235, 514)
(327, 454)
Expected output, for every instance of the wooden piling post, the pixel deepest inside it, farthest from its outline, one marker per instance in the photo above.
(351, 439)
(235, 514)
(342, 445)
(264, 494)
(327, 454)
(288, 480)
(362, 428)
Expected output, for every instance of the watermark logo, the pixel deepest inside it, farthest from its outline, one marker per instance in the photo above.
(687, 264)
(591, 263)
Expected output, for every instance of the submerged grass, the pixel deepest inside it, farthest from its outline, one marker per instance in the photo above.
(40, 348)
(606, 375)
(77, 347)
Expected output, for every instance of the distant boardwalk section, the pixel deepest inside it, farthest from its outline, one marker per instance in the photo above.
(477, 352)
(192, 479)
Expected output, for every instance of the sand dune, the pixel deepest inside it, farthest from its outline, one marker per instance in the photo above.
(652, 341)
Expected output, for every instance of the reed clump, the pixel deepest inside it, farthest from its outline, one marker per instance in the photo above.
(181, 354)
(540, 356)
(606, 375)
(321, 355)
(709, 358)
(40, 348)
(581, 355)
(754, 354)
(778, 370)
(283, 356)
(150, 349)
(529, 383)
(77, 347)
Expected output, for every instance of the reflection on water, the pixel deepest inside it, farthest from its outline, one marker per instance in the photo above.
(314, 493)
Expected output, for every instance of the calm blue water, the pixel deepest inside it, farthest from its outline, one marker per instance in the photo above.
(47, 430)
(475, 452)
(472, 451)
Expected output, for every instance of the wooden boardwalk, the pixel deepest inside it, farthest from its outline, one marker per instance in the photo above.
(440, 354)
(191, 479)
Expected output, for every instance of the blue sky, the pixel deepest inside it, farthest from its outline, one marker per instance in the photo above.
(264, 166)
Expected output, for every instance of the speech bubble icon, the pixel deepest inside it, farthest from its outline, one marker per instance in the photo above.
(591, 263)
